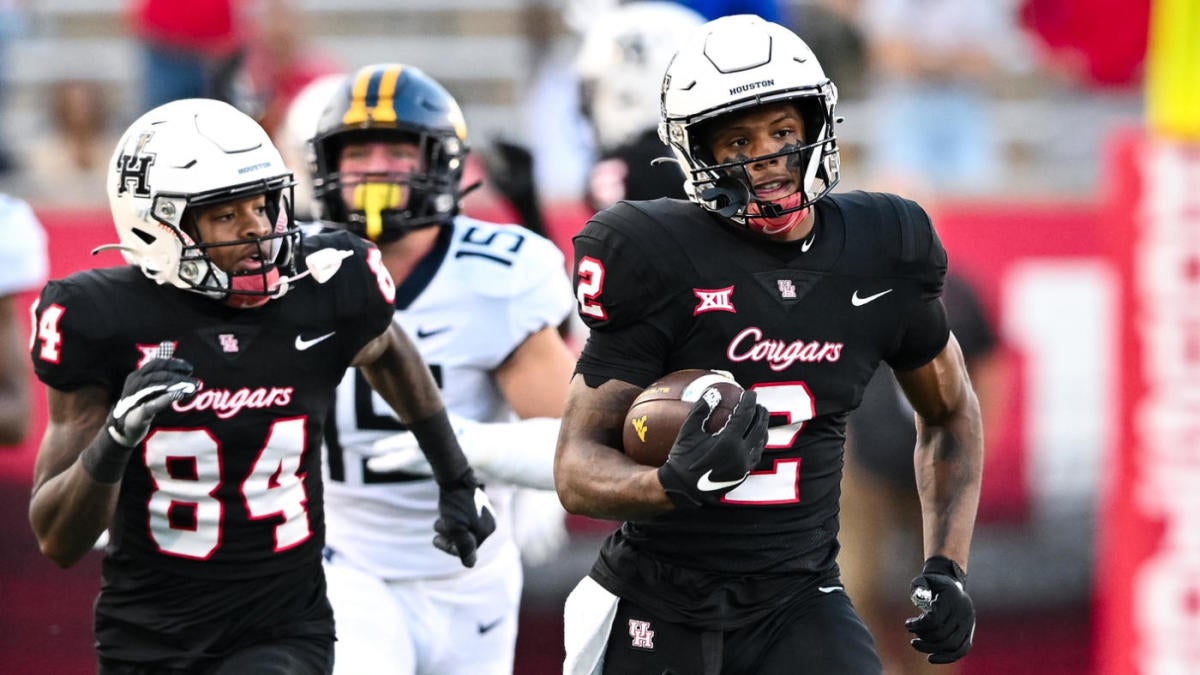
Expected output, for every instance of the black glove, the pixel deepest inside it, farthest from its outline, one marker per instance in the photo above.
(465, 518)
(702, 467)
(148, 390)
(947, 622)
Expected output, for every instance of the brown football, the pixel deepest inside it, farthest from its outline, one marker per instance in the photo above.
(654, 418)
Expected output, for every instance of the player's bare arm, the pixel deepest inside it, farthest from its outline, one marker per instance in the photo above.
(949, 452)
(535, 377)
(396, 370)
(69, 508)
(592, 475)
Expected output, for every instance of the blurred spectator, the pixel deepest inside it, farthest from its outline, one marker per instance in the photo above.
(12, 25)
(831, 29)
(281, 61)
(66, 168)
(621, 63)
(1096, 42)
(551, 107)
(881, 524)
(931, 60)
(23, 267)
(297, 130)
(188, 49)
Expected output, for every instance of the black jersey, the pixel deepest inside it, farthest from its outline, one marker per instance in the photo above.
(665, 285)
(882, 426)
(226, 485)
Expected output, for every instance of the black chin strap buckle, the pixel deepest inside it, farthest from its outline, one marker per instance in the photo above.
(726, 196)
(769, 209)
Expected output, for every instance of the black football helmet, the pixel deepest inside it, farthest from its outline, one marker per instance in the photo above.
(391, 102)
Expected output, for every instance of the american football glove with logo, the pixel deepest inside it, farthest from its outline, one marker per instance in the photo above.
(946, 625)
(702, 466)
(147, 391)
(465, 518)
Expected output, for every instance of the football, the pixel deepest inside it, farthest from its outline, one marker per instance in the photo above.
(655, 416)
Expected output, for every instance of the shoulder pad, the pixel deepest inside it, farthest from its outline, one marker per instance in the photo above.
(886, 231)
(623, 261)
(362, 287)
(75, 318)
(503, 262)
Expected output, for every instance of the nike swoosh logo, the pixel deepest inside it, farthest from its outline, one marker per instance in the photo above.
(482, 502)
(859, 302)
(485, 627)
(808, 243)
(135, 399)
(422, 333)
(830, 589)
(302, 344)
(706, 484)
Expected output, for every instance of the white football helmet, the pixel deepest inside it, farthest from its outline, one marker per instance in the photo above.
(198, 152)
(621, 62)
(733, 64)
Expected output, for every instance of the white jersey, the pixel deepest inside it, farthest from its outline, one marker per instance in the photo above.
(22, 247)
(483, 290)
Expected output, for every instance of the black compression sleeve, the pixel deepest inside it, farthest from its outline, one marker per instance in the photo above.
(440, 445)
(105, 459)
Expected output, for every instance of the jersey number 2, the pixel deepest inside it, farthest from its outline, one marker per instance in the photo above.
(781, 483)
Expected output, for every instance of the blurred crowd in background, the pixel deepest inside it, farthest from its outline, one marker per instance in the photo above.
(975, 97)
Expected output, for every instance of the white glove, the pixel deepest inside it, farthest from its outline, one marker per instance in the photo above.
(539, 525)
(517, 453)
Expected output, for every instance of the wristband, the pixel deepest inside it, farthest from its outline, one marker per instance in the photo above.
(675, 488)
(946, 567)
(440, 446)
(105, 459)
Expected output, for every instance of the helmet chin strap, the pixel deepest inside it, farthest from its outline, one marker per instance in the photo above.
(759, 216)
(253, 290)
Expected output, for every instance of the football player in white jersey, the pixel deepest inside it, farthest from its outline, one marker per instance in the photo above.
(483, 302)
(22, 267)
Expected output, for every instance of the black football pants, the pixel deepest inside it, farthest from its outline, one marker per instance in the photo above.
(819, 634)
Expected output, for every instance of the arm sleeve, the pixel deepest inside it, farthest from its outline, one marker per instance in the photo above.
(925, 334)
(925, 327)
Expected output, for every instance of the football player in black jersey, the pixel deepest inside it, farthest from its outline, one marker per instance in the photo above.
(620, 64)
(726, 559)
(187, 393)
